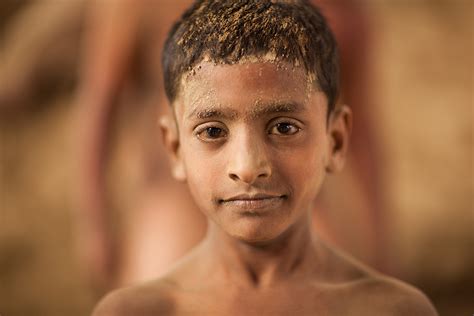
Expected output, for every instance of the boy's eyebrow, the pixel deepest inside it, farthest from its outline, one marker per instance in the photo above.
(213, 112)
(261, 109)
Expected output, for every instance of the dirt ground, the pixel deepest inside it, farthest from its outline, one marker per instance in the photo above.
(423, 84)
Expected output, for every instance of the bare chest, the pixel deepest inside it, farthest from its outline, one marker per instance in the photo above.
(295, 301)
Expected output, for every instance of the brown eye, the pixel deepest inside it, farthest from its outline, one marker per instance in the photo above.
(284, 129)
(214, 132)
(211, 133)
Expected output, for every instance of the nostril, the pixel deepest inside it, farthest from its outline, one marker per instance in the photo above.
(233, 176)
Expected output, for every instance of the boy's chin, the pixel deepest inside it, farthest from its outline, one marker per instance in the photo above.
(257, 236)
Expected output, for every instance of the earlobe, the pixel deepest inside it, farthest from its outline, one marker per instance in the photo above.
(340, 126)
(170, 138)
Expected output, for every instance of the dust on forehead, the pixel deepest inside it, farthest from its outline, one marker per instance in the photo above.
(198, 85)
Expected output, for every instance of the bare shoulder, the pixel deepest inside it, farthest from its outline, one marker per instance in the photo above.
(395, 297)
(368, 292)
(152, 298)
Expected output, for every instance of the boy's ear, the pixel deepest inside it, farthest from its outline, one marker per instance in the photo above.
(170, 137)
(339, 130)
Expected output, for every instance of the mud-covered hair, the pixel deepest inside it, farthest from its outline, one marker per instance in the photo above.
(229, 31)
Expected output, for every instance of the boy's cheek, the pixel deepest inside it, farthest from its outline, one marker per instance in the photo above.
(201, 180)
(304, 175)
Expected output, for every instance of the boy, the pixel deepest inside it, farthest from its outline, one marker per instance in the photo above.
(255, 128)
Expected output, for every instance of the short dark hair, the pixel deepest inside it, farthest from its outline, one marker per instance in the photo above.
(227, 31)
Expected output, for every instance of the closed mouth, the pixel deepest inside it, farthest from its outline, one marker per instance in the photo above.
(252, 203)
(252, 197)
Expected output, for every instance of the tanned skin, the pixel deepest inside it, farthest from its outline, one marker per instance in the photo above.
(254, 143)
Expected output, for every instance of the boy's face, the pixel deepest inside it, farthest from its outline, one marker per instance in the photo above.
(253, 142)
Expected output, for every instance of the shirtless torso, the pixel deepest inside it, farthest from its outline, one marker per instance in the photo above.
(199, 286)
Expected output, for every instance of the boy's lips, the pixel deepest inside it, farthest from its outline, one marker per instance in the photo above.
(254, 202)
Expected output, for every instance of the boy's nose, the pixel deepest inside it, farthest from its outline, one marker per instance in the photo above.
(248, 160)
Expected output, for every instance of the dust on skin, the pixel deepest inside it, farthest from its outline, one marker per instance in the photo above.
(270, 57)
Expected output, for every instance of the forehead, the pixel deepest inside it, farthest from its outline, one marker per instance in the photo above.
(243, 86)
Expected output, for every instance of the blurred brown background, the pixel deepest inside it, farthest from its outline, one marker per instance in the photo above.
(423, 88)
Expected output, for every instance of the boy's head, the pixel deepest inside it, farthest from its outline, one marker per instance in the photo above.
(229, 32)
(254, 129)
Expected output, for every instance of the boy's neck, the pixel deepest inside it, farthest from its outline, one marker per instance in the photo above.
(290, 255)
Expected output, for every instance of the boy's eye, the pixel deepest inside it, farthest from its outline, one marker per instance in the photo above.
(284, 129)
(211, 133)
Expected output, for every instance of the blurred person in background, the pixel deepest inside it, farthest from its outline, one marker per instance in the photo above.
(121, 65)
